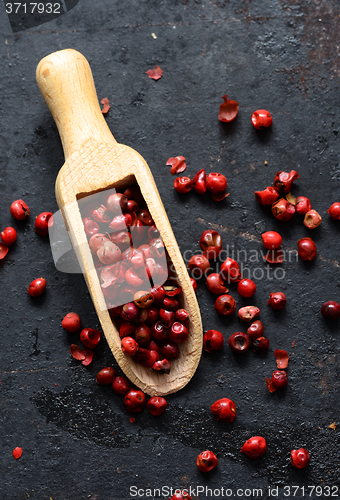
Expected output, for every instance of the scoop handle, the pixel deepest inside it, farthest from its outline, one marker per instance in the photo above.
(66, 83)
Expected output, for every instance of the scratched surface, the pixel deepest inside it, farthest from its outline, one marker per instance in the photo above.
(280, 55)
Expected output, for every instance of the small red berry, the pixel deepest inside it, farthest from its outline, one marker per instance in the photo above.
(159, 332)
(230, 270)
(224, 410)
(246, 288)
(199, 183)
(255, 447)
(117, 203)
(178, 332)
(167, 318)
(255, 330)
(162, 366)
(279, 379)
(239, 342)
(9, 236)
(17, 452)
(129, 346)
(90, 337)
(261, 345)
(158, 295)
(306, 249)
(3, 251)
(215, 284)
(106, 376)
(182, 315)
(198, 265)
(283, 210)
(169, 351)
(299, 458)
(330, 310)
(271, 240)
(277, 300)
(303, 205)
(194, 284)
(180, 496)
(37, 287)
(142, 334)
(134, 401)
(267, 197)
(71, 322)
(156, 405)
(216, 183)
(121, 385)
(211, 243)
(213, 340)
(183, 185)
(206, 461)
(41, 224)
(284, 180)
(225, 305)
(334, 211)
(261, 119)
(19, 210)
(312, 219)
(248, 313)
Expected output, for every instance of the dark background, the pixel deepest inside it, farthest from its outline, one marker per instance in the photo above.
(279, 55)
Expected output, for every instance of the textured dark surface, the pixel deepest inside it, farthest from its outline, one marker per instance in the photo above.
(280, 55)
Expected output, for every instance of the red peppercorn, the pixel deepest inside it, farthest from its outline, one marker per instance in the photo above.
(134, 401)
(17, 452)
(255, 447)
(152, 315)
(284, 180)
(180, 496)
(239, 342)
(225, 305)
(277, 300)
(182, 315)
(117, 203)
(312, 219)
(152, 358)
(211, 243)
(162, 366)
(97, 241)
(142, 334)
(71, 322)
(109, 253)
(106, 376)
(261, 345)
(121, 385)
(248, 313)
(246, 288)
(156, 405)
(166, 317)
(159, 332)
(153, 346)
(9, 236)
(91, 227)
(178, 332)
(169, 350)
(267, 197)
(19, 210)
(224, 409)
(330, 310)
(171, 304)
(37, 287)
(42, 223)
(261, 119)
(129, 346)
(213, 340)
(271, 240)
(306, 249)
(299, 458)
(199, 183)
(183, 185)
(334, 211)
(90, 337)
(206, 461)
(194, 284)
(131, 206)
(3, 251)
(303, 205)
(198, 265)
(145, 217)
(216, 183)
(230, 270)
(130, 311)
(283, 210)
(215, 284)
(158, 295)
(255, 330)
(126, 328)
(279, 379)
(101, 215)
(120, 222)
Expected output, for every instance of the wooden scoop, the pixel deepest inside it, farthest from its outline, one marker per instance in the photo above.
(95, 161)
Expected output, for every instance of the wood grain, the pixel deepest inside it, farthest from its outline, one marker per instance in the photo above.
(95, 161)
